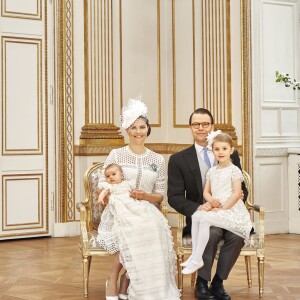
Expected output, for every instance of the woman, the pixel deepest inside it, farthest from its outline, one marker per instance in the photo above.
(139, 235)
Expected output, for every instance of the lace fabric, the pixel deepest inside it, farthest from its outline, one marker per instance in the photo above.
(237, 218)
(138, 229)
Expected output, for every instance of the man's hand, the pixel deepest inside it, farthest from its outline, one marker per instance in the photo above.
(206, 206)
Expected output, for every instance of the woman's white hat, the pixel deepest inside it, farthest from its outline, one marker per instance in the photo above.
(132, 111)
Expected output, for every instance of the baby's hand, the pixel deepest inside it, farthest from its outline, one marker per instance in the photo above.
(103, 197)
(216, 203)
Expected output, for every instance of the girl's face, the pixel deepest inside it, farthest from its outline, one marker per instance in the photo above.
(222, 151)
(137, 131)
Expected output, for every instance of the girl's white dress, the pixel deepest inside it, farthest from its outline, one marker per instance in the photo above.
(138, 229)
(237, 218)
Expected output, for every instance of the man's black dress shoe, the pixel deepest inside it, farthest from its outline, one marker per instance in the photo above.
(202, 291)
(217, 289)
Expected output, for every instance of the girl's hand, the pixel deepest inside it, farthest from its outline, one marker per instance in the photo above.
(206, 206)
(139, 195)
(216, 203)
(216, 209)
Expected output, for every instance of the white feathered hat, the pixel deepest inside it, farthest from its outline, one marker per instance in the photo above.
(132, 111)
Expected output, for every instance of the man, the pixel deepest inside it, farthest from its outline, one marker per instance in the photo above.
(186, 178)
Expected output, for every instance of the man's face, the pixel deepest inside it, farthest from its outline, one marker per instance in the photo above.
(203, 122)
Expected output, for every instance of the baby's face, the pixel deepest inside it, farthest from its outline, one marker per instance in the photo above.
(113, 175)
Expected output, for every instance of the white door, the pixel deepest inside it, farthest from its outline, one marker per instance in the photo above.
(24, 162)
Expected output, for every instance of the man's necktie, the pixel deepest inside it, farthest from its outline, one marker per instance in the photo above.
(206, 158)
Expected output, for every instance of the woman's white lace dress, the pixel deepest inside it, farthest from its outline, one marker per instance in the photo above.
(237, 218)
(138, 229)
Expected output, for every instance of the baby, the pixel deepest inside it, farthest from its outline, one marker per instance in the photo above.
(113, 183)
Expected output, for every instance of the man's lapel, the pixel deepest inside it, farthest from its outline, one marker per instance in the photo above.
(193, 164)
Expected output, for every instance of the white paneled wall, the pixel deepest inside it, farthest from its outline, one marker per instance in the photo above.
(276, 109)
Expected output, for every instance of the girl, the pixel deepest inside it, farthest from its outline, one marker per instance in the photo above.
(222, 190)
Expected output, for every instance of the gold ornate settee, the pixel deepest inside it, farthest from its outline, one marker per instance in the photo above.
(256, 247)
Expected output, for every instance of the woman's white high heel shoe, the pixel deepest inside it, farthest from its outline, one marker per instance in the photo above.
(123, 297)
(110, 297)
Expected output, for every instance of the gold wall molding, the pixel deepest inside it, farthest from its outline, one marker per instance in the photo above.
(246, 46)
(6, 13)
(162, 148)
(216, 59)
(65, 210)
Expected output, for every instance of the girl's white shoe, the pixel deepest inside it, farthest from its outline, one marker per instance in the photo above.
(123, 297)
(185, 263)
(192, 267)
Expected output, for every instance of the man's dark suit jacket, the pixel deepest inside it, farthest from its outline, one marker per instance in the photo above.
(185, 192)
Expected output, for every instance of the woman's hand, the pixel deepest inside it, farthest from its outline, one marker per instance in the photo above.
(139, 195)
(150, 197)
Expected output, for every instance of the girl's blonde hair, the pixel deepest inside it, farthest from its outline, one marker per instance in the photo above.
(223, 137)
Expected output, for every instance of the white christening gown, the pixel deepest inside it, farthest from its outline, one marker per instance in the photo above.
(139, 230)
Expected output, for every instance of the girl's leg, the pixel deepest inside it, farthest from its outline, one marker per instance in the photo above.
(112, 286)
(195, 229)
(199, 243)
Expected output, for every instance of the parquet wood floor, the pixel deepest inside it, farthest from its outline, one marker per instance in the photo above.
(50, 269)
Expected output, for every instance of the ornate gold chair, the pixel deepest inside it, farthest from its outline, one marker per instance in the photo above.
(256, 247)
(89, 221)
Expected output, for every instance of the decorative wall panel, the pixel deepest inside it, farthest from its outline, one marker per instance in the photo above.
(140, 38)
(22, 202)
(201, 59)
(278, 107)
(21, 96)
(24, 9)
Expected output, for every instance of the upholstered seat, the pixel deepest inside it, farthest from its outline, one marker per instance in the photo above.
(254, 248)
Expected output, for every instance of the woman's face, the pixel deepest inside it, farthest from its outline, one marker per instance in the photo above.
(137, 131)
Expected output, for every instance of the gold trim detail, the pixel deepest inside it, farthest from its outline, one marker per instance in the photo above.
(65, 210)
(101, 134)
(69, 106)
(162, 148)
(26, 41)
(246, 45)
(22, 15)
(216, 58)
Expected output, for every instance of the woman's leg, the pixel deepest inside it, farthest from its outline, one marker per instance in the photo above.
(124, 283)
(112, 286)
